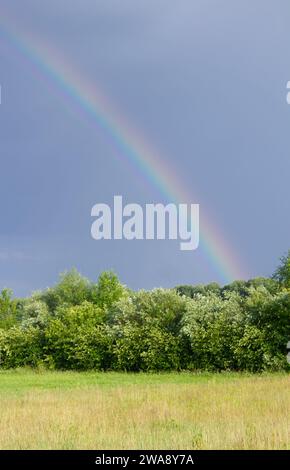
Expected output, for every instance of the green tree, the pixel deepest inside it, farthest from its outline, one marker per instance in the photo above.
(34, 312)
(76, 338)
(160, 307)
(271, 315)
(20, 347)
(8, 309)
(199, 289)
(146, 348)
(251, 350)
(212, 327)
(239, 287)
(108, 290)
(146, 326)
(72, 289)
(282, 273)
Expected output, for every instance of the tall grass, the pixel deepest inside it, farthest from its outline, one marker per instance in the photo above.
(127, 411)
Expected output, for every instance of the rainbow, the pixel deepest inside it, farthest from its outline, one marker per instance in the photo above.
(94, 107)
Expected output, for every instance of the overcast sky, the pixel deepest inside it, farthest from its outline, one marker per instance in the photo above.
(204, 81)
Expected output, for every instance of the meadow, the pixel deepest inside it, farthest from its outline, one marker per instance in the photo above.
(94, 410)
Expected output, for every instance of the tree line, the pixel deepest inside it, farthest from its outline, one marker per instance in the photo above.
(82, 325)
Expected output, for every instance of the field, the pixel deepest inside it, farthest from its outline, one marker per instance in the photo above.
(70, 410)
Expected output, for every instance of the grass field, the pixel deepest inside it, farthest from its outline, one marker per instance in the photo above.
(70, 410)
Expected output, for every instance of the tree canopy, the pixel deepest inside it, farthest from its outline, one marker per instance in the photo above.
(80, 324)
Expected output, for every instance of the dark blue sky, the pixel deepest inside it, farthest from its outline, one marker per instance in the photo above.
(204, 81)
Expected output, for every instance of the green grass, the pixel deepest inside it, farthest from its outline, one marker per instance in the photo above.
(92, 410)
(23, 380)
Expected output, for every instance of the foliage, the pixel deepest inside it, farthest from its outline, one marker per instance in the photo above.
(76, 338)
(108, 290)
(192, 291)
(146, 326)
(146, 348)
(8, 309)
(80, 325)
(34, 313)
(72, 289)
(212, 327)
(282, 273)
(20, 347)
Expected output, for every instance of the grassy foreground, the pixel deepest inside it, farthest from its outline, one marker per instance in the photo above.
(70, 410)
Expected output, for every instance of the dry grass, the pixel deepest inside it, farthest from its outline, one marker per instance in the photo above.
(189, 412)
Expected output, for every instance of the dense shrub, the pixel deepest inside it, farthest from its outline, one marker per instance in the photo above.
(8, 309)
(270, 314)
(73, 289)
(19, 347)
(213, 327)
(76, 338)
(81, 325)
(282, 273)
(146, 329)
(34, 312)
(146, 348)
(162, 307)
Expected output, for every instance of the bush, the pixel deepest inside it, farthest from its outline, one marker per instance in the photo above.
(145, 327)
(73, 289)
(212, 327)
(81, 325)
(34, 313)
(144, 348)
(271, 315)
(161, 307)
(77, 339)
(20, 347)
(8, 309)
